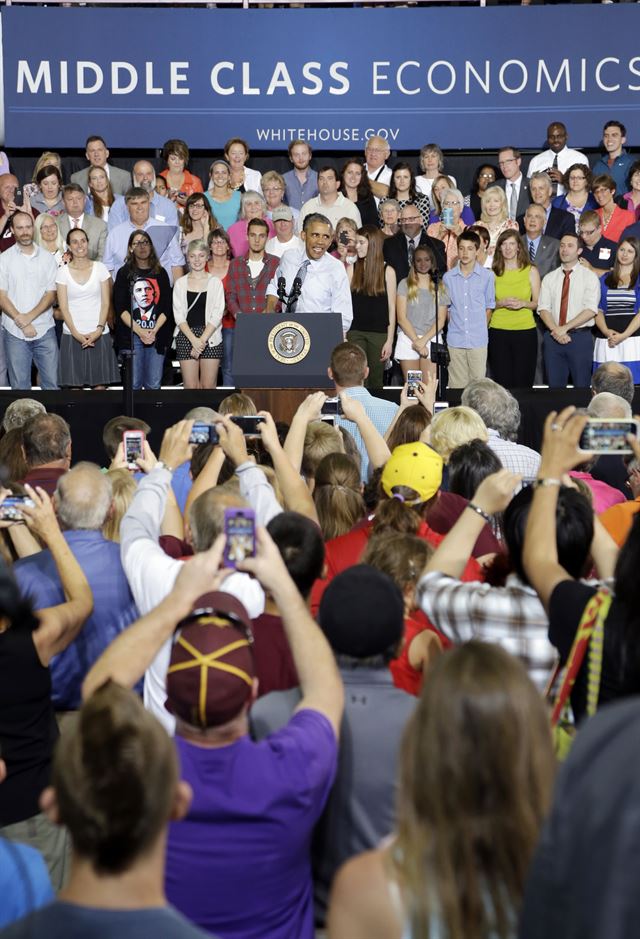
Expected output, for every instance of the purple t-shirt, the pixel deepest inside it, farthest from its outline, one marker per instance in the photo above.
(239, 864)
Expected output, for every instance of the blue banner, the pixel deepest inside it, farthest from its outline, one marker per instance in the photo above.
(463, 77)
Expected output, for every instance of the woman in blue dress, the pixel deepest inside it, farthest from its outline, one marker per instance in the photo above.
(618, 318)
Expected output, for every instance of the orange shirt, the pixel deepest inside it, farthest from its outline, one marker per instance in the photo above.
(618, 519)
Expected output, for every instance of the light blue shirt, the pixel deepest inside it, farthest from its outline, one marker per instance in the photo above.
(469, 299)
(159, 207)
(297, 193)
(379, 411)
(325, 288)
(115, 249)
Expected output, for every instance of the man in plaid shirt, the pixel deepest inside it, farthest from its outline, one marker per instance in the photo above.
(249, 276)
(512, 616)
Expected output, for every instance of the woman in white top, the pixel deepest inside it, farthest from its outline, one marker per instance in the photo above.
(84, 297)
(236, 153)
(198, 306)
(431, 162)
(46, 233)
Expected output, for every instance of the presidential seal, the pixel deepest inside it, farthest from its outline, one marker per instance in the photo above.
(289, 342)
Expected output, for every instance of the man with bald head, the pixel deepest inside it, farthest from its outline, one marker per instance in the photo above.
(144, 177)
(83, 502)
(376, 154)
(97, 155)
(557, 159)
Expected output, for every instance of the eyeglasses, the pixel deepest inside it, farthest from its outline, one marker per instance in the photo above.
(411, 219)
(140, 243)
(588, 231)
(449, 205)
(486, 176)
(506, 162)
(197, 205)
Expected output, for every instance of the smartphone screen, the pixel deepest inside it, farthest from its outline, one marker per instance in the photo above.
(414, 377)
(240, 533)
(133, 441)
(249, 424)
(11, 508)
(203, 433)
(608, 435)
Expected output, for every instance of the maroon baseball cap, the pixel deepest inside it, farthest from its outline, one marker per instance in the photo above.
(211, 670)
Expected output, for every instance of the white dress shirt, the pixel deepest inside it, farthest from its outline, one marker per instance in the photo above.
(584, 293)
(325, 288)
(566, 158)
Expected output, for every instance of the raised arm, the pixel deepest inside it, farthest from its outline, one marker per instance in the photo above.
(59, 625)
(309, 410)
(492, 495)
(377, 449)
(129, 656)
(559, 455)
(295, 492)
(320, 680)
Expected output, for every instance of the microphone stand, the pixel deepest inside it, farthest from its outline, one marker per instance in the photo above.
(289, 300)
(435, 277)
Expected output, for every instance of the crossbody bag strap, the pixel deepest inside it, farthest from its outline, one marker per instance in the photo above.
(578, 651)
(596, 648)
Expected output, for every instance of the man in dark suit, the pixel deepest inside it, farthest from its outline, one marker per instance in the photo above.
(97, 155)
(515, 185)
(542, 249)
(557, 221)
(398, 250)
(76, 217)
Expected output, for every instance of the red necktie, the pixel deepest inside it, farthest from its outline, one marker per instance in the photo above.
(564, 299)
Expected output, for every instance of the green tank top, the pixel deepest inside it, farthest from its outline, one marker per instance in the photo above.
(513, 284)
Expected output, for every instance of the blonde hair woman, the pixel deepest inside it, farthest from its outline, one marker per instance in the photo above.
(455, 426)
(495, 217)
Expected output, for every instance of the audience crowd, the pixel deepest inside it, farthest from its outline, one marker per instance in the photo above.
(343, 718)
(364, 675)
(529, 278)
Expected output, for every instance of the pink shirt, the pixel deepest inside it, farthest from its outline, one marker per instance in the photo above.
(604, 495)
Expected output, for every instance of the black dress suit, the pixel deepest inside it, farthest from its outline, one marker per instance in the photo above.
(396, 253)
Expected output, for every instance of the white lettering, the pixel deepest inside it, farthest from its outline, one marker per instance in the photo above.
(281, 79)
(563, 72)
(452, 73)
(116, 68)
(634, 71)
(177, 77)
(81, 68)
(308, 70)
(502, 80)
(599, 67)
(399, 74)
(485, 83)
(43, 77)
(335, 71)
(246, 80)
(378, 77)
(215, 84)
(64, 78)
(150, 89)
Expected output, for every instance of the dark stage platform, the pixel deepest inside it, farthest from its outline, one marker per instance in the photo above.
(88, 411)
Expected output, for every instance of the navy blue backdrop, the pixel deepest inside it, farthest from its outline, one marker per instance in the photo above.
(467, 78)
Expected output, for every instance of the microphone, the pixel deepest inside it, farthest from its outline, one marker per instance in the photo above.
(297, 287)
(282, 288)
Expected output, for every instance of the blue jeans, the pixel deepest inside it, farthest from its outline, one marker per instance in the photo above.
(148, 365)
(228, 336)
(574, 358)
(22, 353)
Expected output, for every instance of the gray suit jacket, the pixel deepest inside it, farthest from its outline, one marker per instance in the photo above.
(96, 231)
(524, 199)
(120, 180)
(547, 257)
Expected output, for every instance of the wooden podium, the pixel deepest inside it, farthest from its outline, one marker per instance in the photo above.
(276, 351)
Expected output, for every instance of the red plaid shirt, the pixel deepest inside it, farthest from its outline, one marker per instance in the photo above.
(244, 295)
